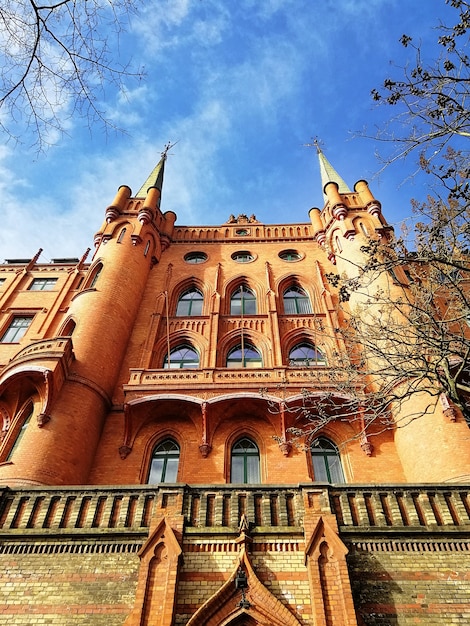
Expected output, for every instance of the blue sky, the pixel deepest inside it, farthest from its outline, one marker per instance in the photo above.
(241, 85)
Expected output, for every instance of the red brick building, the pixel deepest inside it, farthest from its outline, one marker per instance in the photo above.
(147, 479)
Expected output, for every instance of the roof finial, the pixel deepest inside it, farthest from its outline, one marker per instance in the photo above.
(167, 148)
(316, 143)
(327, 171)
(155, 178)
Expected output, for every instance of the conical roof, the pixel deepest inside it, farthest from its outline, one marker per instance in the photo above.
(155, 178)
(330, 175)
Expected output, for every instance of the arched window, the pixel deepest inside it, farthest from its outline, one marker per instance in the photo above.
(245, 462)
(296, 301)
(26, 415)
(305, 355)
(164, 463)
(244, 355)
(326, 461)
(68, 329)
(190, 303)
(96, 275)
(121, 235)
(182, 357)
(243, 301)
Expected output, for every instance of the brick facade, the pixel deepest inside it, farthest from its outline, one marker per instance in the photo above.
(96, 380)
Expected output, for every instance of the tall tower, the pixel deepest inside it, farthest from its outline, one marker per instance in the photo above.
(345, 226)
(74, 396)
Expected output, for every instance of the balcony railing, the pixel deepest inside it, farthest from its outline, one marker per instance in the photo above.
(129, 510)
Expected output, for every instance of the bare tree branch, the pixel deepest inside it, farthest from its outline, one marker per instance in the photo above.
(55, 61)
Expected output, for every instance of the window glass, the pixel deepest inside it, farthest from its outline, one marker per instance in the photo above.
(18, 326)
(182, 357)
(29, 414)
(42, 284)
(290, 255)
(245, 355)
(243, 256)
(164, 463)
(296, 301)
(305, 354)
(326, 461)
(195, 257)
(190, 303)
(243, 302)
(96, 276)
(245, 462)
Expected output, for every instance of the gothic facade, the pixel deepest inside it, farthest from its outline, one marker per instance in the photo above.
(158, 464)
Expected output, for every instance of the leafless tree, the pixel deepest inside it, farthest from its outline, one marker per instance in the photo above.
(55, 59)
(430, 97)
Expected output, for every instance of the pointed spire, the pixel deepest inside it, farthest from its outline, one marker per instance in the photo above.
(329, 174)
(155, 178)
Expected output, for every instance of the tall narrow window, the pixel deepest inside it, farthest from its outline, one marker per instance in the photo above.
(326, 461)
(305, 355)
(96, 275)
(243, 301)
(164, 463)
(190, 303)
(29, 414)
(68, 329)
(182, 357)
(296, 301)
(121, 235)
(244, 355)
(245, 462)
(18, 326)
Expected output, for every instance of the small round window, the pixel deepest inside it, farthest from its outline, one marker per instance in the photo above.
(290, 255)
(243, 256)
(195, 257)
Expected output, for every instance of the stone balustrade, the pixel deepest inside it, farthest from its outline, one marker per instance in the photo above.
(127, 510)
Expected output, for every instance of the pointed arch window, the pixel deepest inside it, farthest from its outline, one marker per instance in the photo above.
(326, 461)
(182, 357)
(305, 354)
(96, 275)
(190, 303)
(27, 414)
(164, 463)
(243, 301)
(296, 301)
(244, 355)
(245, 462)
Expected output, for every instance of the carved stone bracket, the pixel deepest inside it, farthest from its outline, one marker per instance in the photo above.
(285, 447)
(124, 451)
(42, 419)
(366, 446)
(204, 449)
(447, 408)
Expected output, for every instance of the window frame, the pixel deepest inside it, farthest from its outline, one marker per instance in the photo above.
(165, 455)
(244, 360)
(307, 362)
(245, 303)
(182, 363)
(243, 256)
(20, 330)
(245, 455)
(48, 284)
(323, 463)
(303, 297)
(182, 298)
(195, 258)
